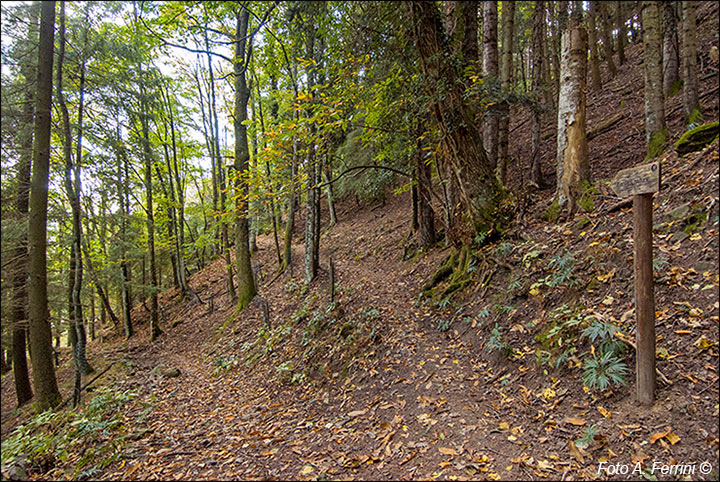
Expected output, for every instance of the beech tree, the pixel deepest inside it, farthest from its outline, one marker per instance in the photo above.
(573, 170)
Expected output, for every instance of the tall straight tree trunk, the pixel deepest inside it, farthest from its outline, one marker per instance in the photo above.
(462, 149)
(19, 267)
(47, 394)
(671, 52)
(593, 44)
(538, 37)
(490, 73)
(155, 330)
(246, 281)
(655, 130)
(312, 206)
(621, 29)
(606, 34)
(506, 69)
(123, 191)
(573, 171)
(691, 104)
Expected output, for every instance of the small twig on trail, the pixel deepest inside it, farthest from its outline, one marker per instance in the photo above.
(88, 384)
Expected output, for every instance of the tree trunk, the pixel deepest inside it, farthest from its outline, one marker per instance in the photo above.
(155, 330)
(691, 104)
(506, 69)
(538, 36)
(671, 53)
(77, 336)
(461, 147)
(572, 153)
(621, 29)
(19, 267)
(593, 43)
(490, 73)
(426, 217)
(123, 191)
(655, 131)
(47, 394)
(606, 34)
(246, 281)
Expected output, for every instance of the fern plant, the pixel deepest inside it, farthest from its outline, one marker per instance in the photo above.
(601, 372)
(605, 332)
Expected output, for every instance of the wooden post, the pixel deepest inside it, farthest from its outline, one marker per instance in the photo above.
(644, 298)
(640, 183)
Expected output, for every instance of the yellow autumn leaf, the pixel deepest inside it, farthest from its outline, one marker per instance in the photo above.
(658, 435)
(605, 413)
(549, 393)
(534, 291)
(575, 421)
(504, 426)
(306, 470)
(447, 451)
(672, 438)
(605, 278)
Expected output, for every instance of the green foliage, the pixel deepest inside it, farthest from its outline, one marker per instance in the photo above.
(605, 334)
(444, 324)
(224, 363)
(588, 437)
(52, 437)
(601, 372)
(497, 343)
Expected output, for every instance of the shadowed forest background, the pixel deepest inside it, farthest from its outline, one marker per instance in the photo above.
(354, 240)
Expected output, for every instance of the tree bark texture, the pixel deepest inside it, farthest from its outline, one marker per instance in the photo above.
(655, 130)
(506, 69)
(671, 53)
(490, 73)
(572, 153)
(461, 147)
(47, 394)
(620, 19)
(593, 41)
(538, 37)
(606, 35)
(246, 280)
(19, 267)
(691, 104)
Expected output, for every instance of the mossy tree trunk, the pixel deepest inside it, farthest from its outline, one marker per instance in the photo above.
(461, 150)
(655, 129)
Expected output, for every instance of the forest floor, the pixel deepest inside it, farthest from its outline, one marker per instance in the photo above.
(381, 384)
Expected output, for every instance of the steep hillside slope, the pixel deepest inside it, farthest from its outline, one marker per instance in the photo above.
(488, 383)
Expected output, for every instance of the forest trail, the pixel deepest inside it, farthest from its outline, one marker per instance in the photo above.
(382, 386)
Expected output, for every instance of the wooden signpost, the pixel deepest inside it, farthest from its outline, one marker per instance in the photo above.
(640, 183)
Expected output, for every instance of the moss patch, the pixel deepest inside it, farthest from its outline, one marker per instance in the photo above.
(552, 213)
(697, 138)
(586, 200)
(674, 88)
(656, 145)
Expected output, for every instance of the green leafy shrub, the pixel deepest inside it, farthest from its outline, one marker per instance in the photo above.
(600, 372)
(51, 437)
